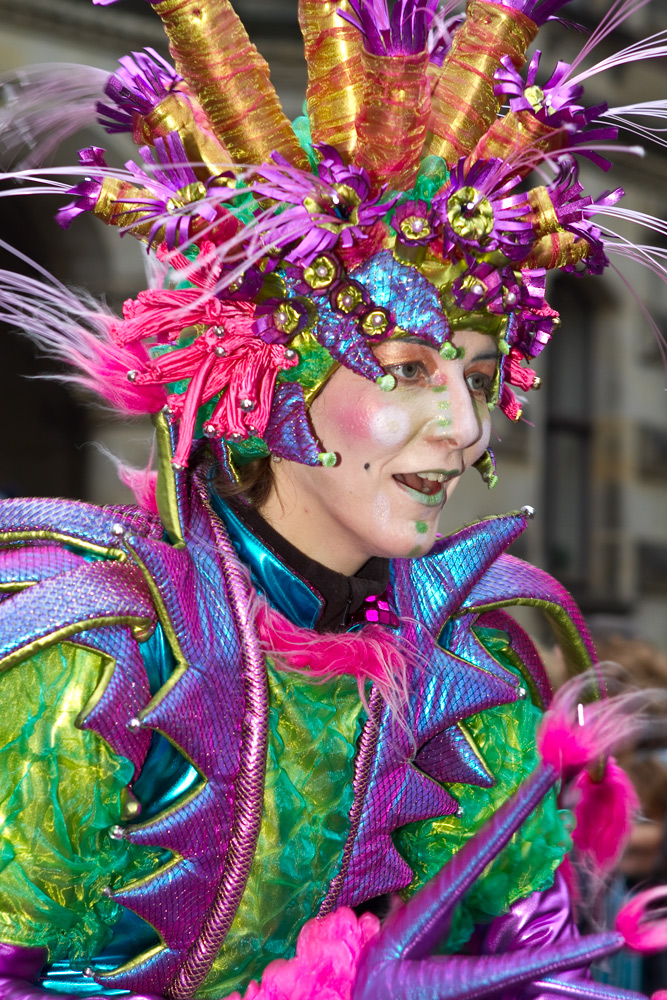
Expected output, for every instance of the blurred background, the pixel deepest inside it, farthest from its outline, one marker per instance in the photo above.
(590, 455)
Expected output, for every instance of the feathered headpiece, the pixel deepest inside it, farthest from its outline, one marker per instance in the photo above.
(398, 205)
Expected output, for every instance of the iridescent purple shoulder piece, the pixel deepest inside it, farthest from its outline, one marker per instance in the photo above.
(102, 578)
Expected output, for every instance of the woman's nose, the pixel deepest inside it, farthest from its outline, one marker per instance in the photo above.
(455, 417)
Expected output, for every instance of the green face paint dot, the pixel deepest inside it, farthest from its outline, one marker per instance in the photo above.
(443, 404)
(440, 388)
(422, 527)
(413, 553)
(444, 422)
(386, 382)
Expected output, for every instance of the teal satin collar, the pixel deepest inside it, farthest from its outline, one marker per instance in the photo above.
(284, 590)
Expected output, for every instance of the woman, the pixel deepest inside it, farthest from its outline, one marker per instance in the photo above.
(195, 773)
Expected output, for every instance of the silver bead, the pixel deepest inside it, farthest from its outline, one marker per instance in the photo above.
(290, 354)
(322, 271)
(522, 693)
(247, 404)
(134, 724)
(528, 511)
(219, 351)
(116, 832)
(88, 972)
(209, 430)
(117, 529)
(478, 289)
(459, 812)
(510, 298)
(132, 375)
(107, 891)
(276, 458)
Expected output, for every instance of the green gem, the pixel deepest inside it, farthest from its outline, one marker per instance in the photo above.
(327, 458)
(448, 351)
(386, 382)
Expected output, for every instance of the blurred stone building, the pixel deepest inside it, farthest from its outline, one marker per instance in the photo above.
(594, 463)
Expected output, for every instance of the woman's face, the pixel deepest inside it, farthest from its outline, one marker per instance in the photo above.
(401, 454)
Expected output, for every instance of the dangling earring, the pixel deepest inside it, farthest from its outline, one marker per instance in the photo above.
(486, 466)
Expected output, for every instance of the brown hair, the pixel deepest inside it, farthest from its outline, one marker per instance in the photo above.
(255, 481)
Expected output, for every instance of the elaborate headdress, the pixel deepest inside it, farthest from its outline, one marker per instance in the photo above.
(397, 205)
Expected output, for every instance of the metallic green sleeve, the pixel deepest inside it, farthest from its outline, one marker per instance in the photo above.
(61, 789)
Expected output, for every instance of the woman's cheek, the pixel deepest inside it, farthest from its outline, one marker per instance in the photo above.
(389, 425)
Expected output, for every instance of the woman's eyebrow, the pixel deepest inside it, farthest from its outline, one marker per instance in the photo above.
(486, 356)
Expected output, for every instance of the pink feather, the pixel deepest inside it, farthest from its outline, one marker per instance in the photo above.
(328, 950)
(645, 929)
(371, 654)
(604, 815)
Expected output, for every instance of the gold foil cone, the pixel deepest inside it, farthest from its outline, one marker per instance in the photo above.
(176, 114)
(557, 250)
(543, 213)
(514, 137)
(115, 209)
(463, 105)
(392, 123)
(335, 74)
(231, 80)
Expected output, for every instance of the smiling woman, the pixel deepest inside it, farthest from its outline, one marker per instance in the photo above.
(269, 733)
(400, 453)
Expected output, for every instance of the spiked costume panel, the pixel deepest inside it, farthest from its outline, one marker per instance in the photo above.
(194, 857)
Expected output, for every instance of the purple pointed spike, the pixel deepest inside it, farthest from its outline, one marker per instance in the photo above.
(512, 581)
(288, 433)
(101, 593)
(33, 563)
(126, 695)
(449, 757)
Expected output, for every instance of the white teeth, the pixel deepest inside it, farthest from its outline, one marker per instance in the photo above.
(433, 477)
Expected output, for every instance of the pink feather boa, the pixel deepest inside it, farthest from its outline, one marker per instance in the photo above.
(371, 654)
(328, 950)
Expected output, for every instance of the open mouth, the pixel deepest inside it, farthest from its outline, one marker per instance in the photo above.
(426, 487)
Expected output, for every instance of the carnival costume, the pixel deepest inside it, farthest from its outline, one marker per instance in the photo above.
(217, 779)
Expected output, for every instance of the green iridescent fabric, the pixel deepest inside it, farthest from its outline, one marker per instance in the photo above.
(505, 737)
(313, 730)
(60, 791)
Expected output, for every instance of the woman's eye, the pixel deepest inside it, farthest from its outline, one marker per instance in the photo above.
(408, 371)
(480, 384)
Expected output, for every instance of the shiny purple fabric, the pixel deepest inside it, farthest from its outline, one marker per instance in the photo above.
(543, 918)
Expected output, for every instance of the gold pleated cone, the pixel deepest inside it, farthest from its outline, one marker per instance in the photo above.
(393, 119)
(335, 74)
(515, 137)
(176, 114)
(222, 67)
(463, 105)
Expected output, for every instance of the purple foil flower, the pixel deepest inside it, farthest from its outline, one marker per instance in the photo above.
(555, 105)
(278, 320)
(574, 214)
(479, 215)
(142, 82)
(414, 223)
(330, 208)
(87, 192)
(404, 32)
(174, 194)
